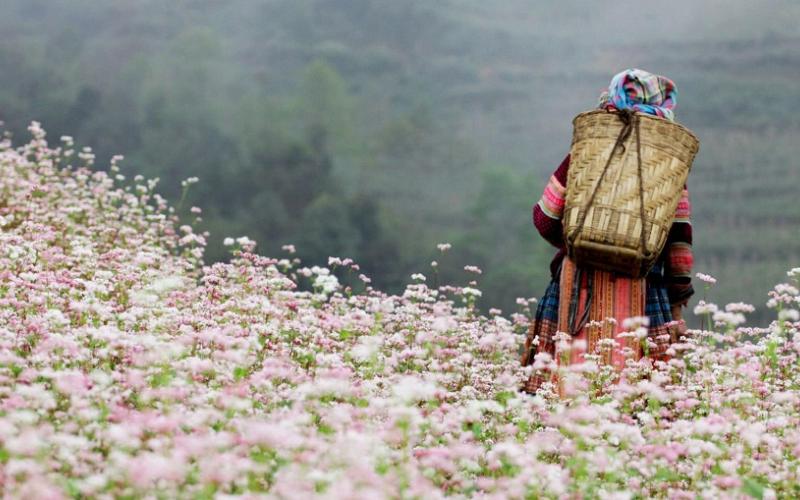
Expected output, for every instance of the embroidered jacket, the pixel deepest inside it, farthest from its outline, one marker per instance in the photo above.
(677, 254)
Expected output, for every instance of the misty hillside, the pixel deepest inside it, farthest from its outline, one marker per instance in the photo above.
(376, 129)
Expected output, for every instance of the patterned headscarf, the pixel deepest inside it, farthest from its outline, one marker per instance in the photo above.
(641, 91)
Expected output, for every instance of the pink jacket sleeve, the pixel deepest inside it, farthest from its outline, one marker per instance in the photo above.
(548, 210)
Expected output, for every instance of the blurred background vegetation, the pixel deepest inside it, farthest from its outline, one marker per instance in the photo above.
(374, 129)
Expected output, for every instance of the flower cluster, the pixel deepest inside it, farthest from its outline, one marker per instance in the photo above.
(128, 368)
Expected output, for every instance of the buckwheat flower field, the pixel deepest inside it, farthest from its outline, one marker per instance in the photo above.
(128, 368)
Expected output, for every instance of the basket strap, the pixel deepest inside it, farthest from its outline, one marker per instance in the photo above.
(641, 189)
(627, 117)
(574, 323)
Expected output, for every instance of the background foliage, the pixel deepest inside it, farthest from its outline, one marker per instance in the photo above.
(374, 129)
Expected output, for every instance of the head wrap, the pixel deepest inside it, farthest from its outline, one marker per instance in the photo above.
(641, 91)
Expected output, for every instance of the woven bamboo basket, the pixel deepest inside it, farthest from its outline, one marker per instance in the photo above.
(603, 223)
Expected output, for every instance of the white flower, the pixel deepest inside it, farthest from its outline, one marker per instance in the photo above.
(228, 242)
(734, 319)
(579, 344)
(56, 318)
(739, 307)
(367, 346)
(411, 389)
(472, 291)
(703, 308)
(635, 322)
(143, 298)
(166, 284)
(320, 271)
(327, 283)
(444, 323)
(783, 288)
(789, 315)
(706, 278)
(31, 277)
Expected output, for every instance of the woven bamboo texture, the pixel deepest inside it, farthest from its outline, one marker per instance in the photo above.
(611, 236)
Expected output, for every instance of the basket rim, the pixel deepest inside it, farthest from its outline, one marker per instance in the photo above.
(646, 116)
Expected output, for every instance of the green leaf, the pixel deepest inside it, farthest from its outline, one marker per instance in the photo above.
(72, 489)
(666, 475)
(162, 378)
(263, 455)
(503, 397)
(207, 493)
(753, 488)
(477, 430)
(239, 373)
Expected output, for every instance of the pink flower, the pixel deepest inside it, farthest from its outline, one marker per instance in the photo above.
(72, 383)
(146, 469)
(728, 482)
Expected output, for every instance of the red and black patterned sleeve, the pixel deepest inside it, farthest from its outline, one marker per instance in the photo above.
(678, 269)
(548, 210)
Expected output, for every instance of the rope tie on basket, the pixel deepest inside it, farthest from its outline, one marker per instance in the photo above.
(643, 239)
(627, 117)
(630, 121)
(576, 295)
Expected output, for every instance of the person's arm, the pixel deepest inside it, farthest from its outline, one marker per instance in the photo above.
(680, 258)
(548, 210)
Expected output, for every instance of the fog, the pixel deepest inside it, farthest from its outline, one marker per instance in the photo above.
(376, 129)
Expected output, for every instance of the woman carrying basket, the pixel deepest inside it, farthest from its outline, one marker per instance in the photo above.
(584, 307)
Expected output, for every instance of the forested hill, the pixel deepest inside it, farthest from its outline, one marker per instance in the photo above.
(376, 129)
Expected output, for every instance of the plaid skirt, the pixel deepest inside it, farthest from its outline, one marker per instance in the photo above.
(602, 300)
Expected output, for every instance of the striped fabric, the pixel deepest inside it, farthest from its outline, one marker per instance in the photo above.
(684, 211)
(548, 220)
(552, 202)
(641, 91)
(544, 326)
(679, 257)
(614, 297)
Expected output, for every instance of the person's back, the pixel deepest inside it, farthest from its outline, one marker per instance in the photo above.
(583, 309)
